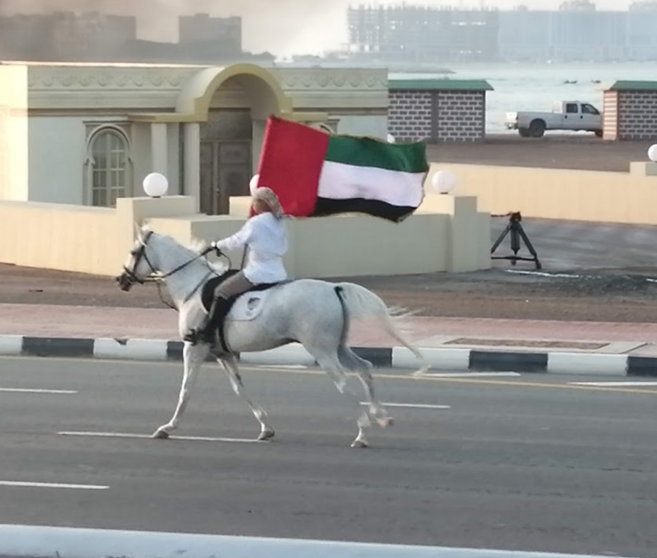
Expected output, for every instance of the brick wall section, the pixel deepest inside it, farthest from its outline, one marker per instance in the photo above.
(610, 115)
(437, 116)
(637, 115)
(409, 115)
(461, 116)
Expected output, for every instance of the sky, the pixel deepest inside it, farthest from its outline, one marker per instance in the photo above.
(283, 27)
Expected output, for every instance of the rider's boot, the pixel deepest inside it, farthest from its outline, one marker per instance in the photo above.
(207, 332)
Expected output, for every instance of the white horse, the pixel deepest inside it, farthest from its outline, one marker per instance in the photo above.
(314, 313)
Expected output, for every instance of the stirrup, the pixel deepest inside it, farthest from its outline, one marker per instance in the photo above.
(204, 335)
(191, 336)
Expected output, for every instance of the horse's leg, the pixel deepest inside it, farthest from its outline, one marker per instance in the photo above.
(363, 369)
(331, 365)
(193, 358)
(230, 366)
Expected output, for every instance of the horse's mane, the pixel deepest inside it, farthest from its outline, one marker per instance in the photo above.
(191, 251)
(197, 245)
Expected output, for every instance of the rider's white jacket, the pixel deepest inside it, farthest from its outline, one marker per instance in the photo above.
(266, 238)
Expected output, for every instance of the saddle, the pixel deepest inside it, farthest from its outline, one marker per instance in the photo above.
(207, 297)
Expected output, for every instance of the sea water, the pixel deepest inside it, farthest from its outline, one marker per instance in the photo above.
(537, 87)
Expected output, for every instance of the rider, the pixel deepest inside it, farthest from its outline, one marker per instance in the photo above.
(265, 237)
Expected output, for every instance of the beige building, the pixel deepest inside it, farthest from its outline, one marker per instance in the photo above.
(87, 134)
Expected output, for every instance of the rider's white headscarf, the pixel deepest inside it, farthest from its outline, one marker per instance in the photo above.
(270, 199)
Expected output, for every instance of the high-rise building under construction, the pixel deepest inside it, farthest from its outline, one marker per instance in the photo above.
(423, 34)
(577, 31)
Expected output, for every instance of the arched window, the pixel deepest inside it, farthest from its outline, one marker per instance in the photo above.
(109, 167)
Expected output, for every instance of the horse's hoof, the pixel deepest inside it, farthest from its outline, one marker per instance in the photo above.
(161, 435)
(385, 422)
(266, 435)
(359, 444)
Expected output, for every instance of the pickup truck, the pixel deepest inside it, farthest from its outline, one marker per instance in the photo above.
(565, 115)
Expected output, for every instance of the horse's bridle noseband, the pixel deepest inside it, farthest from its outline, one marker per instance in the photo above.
(138, 253)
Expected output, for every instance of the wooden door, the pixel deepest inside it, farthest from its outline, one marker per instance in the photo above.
(225, 172)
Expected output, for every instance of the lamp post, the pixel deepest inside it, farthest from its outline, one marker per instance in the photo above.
(443, 182)
(155, 185)
(652, 153)
(646, 168)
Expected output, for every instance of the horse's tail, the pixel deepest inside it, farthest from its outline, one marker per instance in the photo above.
(361, 303)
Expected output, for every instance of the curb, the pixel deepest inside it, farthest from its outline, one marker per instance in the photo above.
(456, 360)
(22, 540)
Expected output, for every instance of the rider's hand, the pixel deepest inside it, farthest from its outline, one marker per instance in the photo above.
(215, 247)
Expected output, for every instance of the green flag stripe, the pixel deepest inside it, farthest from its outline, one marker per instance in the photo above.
(369, 152)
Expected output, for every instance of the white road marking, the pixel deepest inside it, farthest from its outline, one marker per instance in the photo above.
(471, 375)
(148, 436)
(53, 485)
(544, 274)
(283, 366)
(410, 405)
(52, 391)
(615, 384)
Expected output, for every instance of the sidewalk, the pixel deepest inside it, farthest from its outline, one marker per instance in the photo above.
(426, 332)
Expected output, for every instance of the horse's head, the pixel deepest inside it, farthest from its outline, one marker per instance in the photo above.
(139, 266)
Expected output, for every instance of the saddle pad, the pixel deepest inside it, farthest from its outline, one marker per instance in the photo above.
(248, 306)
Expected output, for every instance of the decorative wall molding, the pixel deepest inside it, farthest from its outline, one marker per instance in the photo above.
(300, 79)
(53, 78)
(136, 89)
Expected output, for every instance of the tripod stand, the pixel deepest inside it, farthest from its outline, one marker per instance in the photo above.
(517, 233)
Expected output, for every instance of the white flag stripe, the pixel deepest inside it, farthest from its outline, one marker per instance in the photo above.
(343, 182)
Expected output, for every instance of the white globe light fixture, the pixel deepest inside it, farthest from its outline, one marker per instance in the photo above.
(443, 182)
(156, 185)
(253, 184)
(390, 138)
(652, 153)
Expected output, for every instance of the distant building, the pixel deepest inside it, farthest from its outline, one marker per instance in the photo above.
(96, 37)
(224, 35)
(424, 34)
(91, 35)
(577, 31)
(65, 36)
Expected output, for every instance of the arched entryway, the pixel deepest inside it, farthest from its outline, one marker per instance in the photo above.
(231, 106)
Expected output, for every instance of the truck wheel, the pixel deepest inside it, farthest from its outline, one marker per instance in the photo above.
(537, 128)
(524, 132)
(598, 133)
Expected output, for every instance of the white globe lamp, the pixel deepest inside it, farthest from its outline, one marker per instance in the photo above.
(253, 184)
(443, 182)
(390, 138)
(652, 153)
(155, 185)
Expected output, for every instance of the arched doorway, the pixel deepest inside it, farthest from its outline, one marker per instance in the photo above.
(232, 105)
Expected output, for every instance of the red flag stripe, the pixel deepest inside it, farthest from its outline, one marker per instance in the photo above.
(291, 163)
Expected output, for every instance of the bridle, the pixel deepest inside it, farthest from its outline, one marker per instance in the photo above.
(130, 276)
(140, 252)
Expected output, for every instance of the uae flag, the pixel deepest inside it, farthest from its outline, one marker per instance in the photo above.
(316, 174)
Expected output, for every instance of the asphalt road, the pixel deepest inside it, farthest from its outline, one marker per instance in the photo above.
(528, 462)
